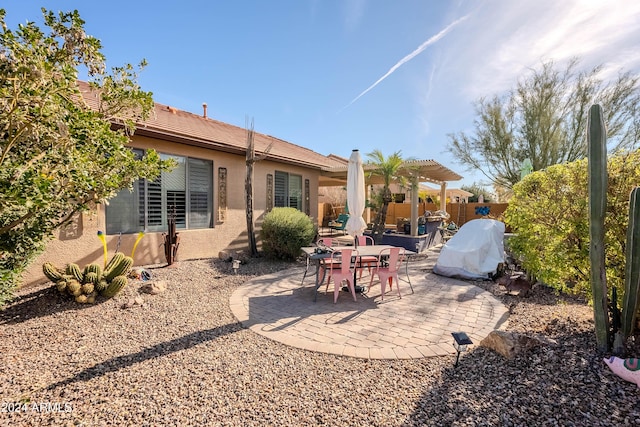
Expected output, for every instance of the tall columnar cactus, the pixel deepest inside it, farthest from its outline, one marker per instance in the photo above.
(597, 145)
(632, 266)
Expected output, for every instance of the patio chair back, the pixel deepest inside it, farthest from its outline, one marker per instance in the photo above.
(387, 274)
(366, 261)
(364, 240)
(326, 241)
(344, 273)
(328, 265)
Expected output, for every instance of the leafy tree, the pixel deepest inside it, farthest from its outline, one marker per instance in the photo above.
(477, 190)
(549, 217)
(336, 196)
(58, 156)
(387, 168)
(544, 119)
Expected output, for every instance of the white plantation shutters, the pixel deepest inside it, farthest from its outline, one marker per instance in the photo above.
(287, 190)
(295, 192)
(188, 188)
(174, 189)
(200, 197)
(281, 189)
(153, 204)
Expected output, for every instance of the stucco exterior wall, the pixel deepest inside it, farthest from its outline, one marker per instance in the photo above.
(80, 244)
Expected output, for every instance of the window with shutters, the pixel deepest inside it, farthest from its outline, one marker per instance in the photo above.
(287, 190)
(185, 190)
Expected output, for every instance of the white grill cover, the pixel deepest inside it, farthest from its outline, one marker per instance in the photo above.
(474, 251)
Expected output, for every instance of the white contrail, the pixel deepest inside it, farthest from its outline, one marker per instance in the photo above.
(409, 57)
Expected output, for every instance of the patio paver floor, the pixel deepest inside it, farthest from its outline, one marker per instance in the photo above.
(417, 325)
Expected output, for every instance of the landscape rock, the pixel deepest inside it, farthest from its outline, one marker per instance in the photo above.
(132, 302)
(510, 344)
(154, 288)
(230, 255)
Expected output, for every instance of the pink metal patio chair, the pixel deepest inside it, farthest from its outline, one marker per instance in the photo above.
(370, 261)
(328, 265)
(345, 272)
(388, 273)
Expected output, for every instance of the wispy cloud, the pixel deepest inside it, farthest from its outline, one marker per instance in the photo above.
(504, 40)
(523, 34)
(353, 10)
(409, 57)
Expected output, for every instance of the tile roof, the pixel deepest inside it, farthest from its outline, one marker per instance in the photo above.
(172, 124)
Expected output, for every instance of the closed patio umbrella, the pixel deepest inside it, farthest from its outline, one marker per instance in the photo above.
(355, 201)
(355, 195)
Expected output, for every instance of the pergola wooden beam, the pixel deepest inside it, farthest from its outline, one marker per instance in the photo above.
(416, 170)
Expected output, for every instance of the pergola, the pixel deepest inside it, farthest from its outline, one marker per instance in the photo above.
(416, 171)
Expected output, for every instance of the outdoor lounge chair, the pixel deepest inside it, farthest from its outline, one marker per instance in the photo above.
(340, 223)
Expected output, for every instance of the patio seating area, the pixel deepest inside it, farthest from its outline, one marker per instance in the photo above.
(417, 325)
(339, 224)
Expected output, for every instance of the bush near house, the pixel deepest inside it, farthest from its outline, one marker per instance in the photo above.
(549, 214)
(285, 231)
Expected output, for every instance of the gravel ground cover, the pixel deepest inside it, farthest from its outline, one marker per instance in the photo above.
(182, 359)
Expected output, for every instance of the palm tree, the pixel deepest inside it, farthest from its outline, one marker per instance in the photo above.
(387, 168)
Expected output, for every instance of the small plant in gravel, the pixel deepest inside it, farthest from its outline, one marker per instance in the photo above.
(285, 231)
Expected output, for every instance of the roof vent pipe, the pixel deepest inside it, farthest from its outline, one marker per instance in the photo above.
(204, 108)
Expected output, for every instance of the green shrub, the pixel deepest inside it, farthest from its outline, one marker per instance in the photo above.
(285, 231)
(549, 214)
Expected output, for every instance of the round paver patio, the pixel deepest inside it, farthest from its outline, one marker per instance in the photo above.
(417, 325)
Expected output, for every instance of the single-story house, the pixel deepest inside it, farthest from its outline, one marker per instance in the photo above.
(206, 191)
(206, 188)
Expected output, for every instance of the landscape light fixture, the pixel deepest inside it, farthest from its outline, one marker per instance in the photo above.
(461, 342)
(236, 265)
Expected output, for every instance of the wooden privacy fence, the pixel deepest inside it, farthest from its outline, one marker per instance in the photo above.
(460, 213)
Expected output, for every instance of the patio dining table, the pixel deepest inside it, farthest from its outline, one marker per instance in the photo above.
(319, 254)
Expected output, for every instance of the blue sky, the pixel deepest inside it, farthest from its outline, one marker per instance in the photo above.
(334, 75)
